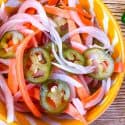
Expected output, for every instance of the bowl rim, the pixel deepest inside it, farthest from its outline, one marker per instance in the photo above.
(119, 79)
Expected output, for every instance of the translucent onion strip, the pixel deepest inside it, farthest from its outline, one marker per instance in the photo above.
(92, 31)
(67, 79)
(8, 99)
(79, 106)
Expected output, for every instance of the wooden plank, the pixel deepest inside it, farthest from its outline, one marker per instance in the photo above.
(115, 115)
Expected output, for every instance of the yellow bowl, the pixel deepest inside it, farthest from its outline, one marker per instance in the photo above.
(107, 23)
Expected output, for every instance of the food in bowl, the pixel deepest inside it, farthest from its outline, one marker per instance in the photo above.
(54, 59)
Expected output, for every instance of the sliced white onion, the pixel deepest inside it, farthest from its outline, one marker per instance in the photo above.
(74, 15)
(40, 10)
(79, 70)
(108, 83)
(8, 99)
(40, 20)
(5, 61)
(30, 19)
(79, 106)
(89, 41)
(23, 29)
(19, 19)
(92, 31)
(67, 79)
(78, 45)
(98, 99)
(71, 70)
(13, 3)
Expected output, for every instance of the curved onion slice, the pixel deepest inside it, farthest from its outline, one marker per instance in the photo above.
(71, 70)
(30, 19)
(70, 67)
(23, 29)
(8, 99)
(40, 20)
(12, 3)
(92, 31)
(40, 10)
(81, 47)
(79, 106)
(108, 83)
(5, 61)
(81, 70)
(74, 15)
(67, 79)
(20, 19)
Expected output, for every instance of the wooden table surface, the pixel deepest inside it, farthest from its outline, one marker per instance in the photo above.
(115, 115)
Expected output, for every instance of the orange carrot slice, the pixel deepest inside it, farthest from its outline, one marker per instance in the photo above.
(12, 77)
(52, 2)
(20, 78)
(57, 11)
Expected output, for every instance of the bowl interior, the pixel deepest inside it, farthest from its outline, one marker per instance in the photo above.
(109, 25)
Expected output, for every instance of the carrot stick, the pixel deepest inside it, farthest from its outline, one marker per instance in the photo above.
(12, 77)
(74, 38)
(119, 67)
(52, 2)
(20, 77)
(92, 97)
(72, 111)
(79, 10)
(83, 12)
(57, 11)
(83, 15)
(72, 26)
(35, 93)
(82, 92)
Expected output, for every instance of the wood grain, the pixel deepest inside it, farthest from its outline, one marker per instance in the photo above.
(115, 115)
